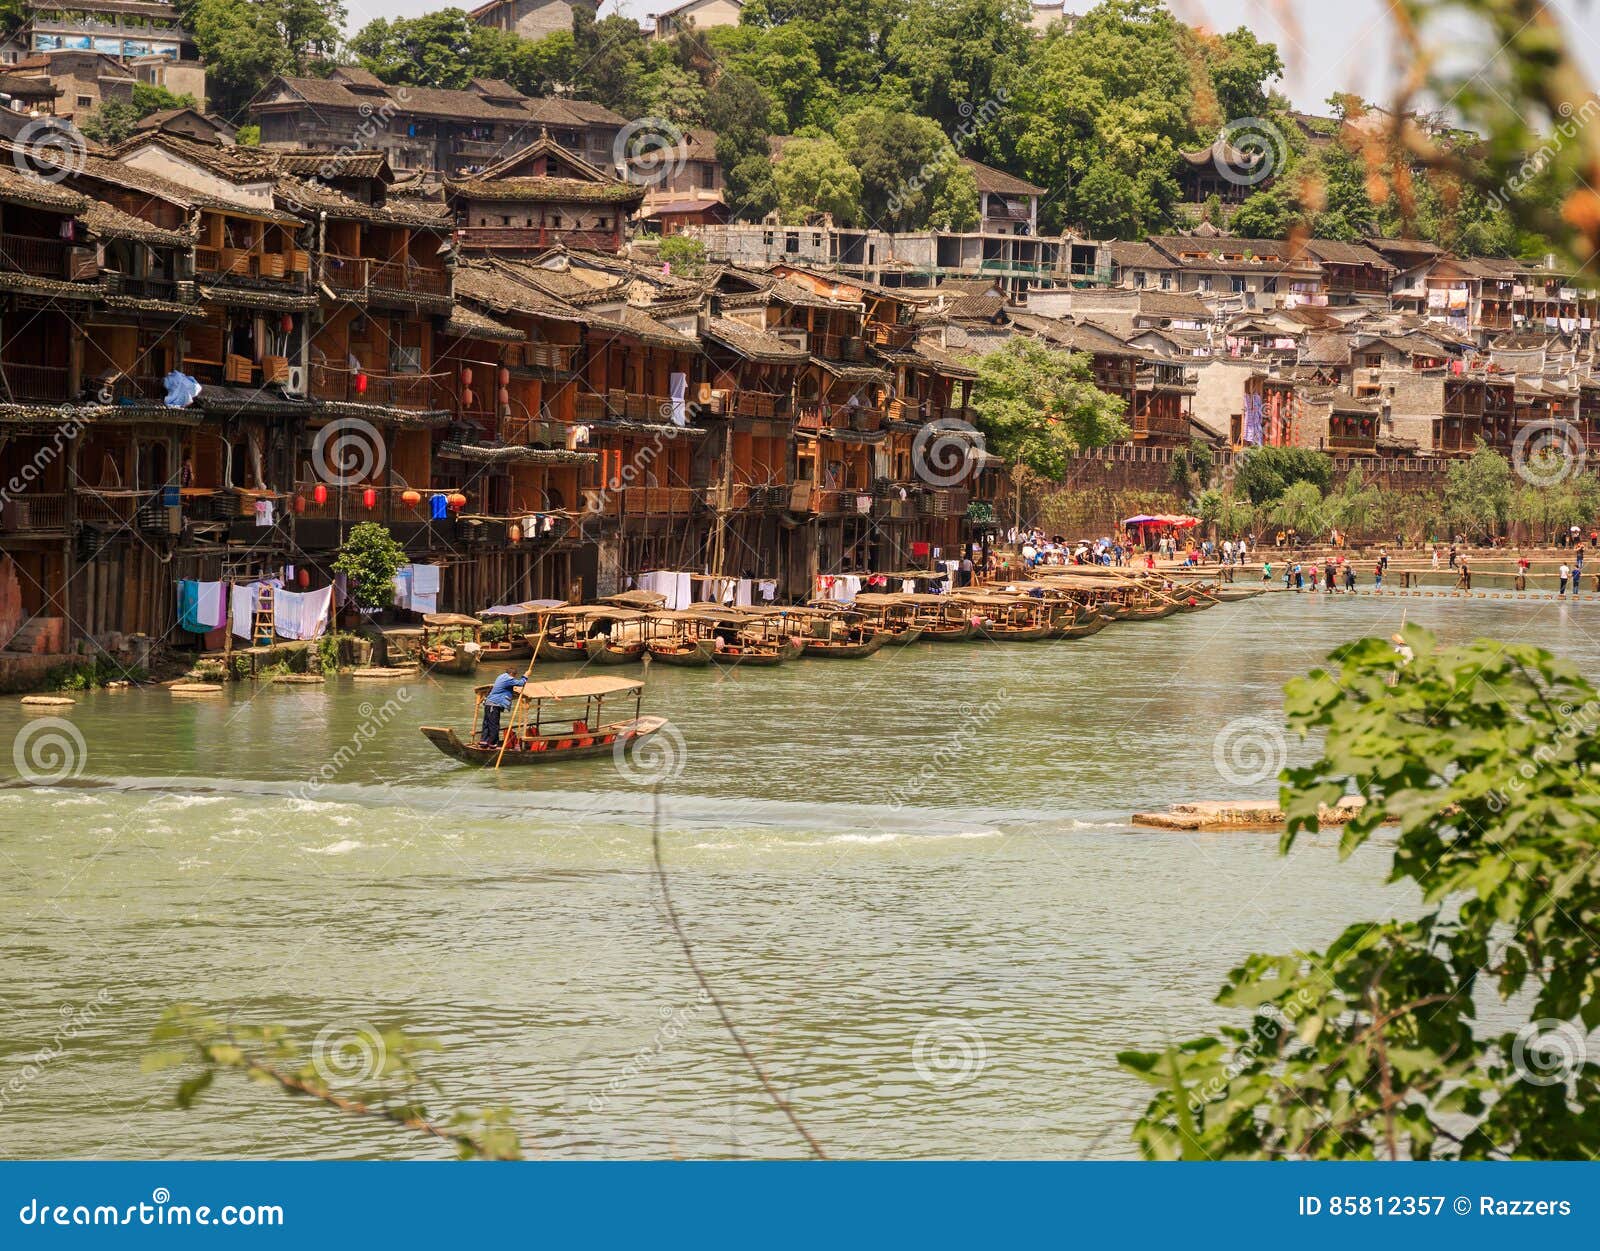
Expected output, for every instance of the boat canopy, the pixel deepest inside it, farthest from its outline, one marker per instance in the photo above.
(636, 599)
(579, 688)
(441, 619)
(1176, 520)
(525, 609)
(601, 611)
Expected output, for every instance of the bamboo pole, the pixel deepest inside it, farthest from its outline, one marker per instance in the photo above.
(527, 673)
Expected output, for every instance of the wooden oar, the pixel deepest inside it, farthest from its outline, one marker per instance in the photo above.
(527, 673)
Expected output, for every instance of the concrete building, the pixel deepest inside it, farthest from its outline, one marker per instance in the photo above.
(532, 19)
(697, 15)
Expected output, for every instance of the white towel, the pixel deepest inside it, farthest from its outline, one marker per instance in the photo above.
(208, 605)
(768, 589)
(301, 616)
(678, 386)
(741, 597)
(244, 609)
(425, 579)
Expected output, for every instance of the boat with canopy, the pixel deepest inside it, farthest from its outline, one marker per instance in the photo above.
(545, 724)
(451, 642)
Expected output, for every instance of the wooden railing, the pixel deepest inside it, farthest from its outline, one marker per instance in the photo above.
(245, 263)
(43, 258)
(539, 237)
(33, 383)
(408, 391)
(555, 356)
(839, 347)
(895, 337)
(409, 278)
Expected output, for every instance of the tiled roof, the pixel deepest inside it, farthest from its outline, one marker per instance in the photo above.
(998, 181)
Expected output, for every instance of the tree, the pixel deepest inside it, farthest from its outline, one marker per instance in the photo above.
(1356, 506)
(245, 42)
(685, 255)
(956, 55)
(911, 176)
(1263, 473)
(1482, 756)
(815, 176)
(752, 186)
(114, 120)
(1039, 406)
(370, 559)
(1300, 509)
(1477, 492)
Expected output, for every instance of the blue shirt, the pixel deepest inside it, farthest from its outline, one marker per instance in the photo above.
(500, 696)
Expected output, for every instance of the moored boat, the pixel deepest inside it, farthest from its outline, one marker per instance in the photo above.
(450, 643)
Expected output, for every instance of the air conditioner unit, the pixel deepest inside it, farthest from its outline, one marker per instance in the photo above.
(295, 384)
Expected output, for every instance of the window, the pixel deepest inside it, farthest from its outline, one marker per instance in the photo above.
(1166, 281)
(1238, 285)
(1203, 284)
(602, 223)
(766, 238)
(85, 102)
(708, 176)
(1139, 278)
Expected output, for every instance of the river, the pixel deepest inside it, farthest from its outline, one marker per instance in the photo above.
(937, 962)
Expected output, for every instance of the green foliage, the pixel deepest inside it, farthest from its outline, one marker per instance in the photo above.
(370, 558)
(114, 120)
(1264, 473)
(245, 42)
(816, 176)
(1477, 493)
(1482, 758)
(954, 55)
(361, 1072)
(1191, 466)
(1300, 509)
(1038, 406)
(685, 255)
(752, 186)
(911, 176)
(248, 136)
(329, 648)
(1559, 504)
(88, 675)
(1356, 507)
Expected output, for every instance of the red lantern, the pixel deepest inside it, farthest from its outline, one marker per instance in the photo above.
(505, 375)
(303, 577)
(456, 500)
(320, 493)
(466, 377)
(299, 503)
(466, 399)
(361, 384)
(369, 498)
(514, 533)
(410, 498)
(505, 397)
(287, 324)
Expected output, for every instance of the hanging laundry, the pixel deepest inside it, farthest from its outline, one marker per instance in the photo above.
(181, 390)
(263, 509)
(199, 606)
(300, 617)
(438, 507)
(243, 601)
(768, 588)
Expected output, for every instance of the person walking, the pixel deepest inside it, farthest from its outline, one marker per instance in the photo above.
(1328, 575)
(1377, 576)
(1562, 574)
(1350, 578)
(1266, 571)
(1463, 575)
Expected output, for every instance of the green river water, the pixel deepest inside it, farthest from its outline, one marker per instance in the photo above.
(934, 961)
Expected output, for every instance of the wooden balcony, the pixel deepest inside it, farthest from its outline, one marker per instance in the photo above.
(658, 501)
(42, 258)
(556, 357)
(223, 263)
(33, 384)
(29, 512)
(414, 392)
(896, 338)
(1161, 425)
(750, 404)
(624, 406)
(839, 347)
(407, 278)
(492, 237)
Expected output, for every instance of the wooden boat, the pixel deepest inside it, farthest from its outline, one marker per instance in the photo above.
(1148, 612)
(522, 628)
(597, 632)
(689, 654)
(741, 636)
(1008, 618)
(1091, 624)
(939, 617)
(451, 643)
(541, 728)
(891, 616)
(857, 645)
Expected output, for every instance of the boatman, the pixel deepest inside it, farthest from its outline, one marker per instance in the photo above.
(497, 701)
